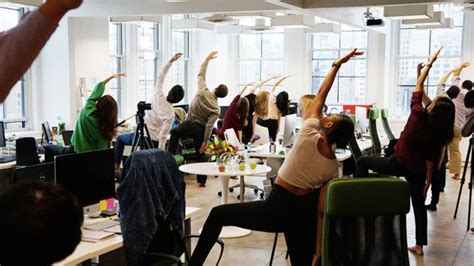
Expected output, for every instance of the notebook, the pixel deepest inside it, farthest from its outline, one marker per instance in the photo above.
(95, 236)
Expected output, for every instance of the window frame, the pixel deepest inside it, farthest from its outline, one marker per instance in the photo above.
(120, 60)
(141, 52)
(185, 60)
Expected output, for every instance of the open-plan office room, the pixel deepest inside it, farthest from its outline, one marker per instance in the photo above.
(251, 132)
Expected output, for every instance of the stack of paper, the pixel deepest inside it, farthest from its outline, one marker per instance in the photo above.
(95, 236)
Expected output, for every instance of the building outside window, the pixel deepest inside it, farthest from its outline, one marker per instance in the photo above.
(180, 69)
(417, 45)
(260, 56)
(148, 55)
(350, 85)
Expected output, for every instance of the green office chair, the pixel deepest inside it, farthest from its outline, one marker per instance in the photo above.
(353, 208)
(385, 124)
(179, 160)
(374, 114)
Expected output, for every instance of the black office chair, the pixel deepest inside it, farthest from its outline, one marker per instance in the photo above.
(385, 124)
(67, 135)
(26, 152)
(374, 114)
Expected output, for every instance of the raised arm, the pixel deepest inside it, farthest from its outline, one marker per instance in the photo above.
(275, 86)
(425, 71)
(114, 76)
(261, 83)
(164, 72)
(245, 88)
(457, 71)
(202, 72)
(315, 110)
(21, 45)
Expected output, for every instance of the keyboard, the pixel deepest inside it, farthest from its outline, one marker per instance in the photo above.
(100, 226)
(7, 159)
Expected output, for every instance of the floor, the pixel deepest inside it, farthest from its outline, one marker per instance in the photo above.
(449, 242)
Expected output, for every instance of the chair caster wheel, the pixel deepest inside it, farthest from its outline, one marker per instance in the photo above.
(238, 197)
(219, 193)
(255, 191)
(231, 190)
(261, 195)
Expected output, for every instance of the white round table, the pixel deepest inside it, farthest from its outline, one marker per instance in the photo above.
(211, 169)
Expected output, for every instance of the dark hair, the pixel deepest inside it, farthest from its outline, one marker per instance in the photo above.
(176, 94)
(282, 103)
(221, 91)
(342, 131)
(453, 92)
(40, 224)
(469, 99)
(467, 84)
(441, 121)
(243, 109)
(107, 112)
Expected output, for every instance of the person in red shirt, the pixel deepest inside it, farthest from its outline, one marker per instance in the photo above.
(236, 115)
(418, 150)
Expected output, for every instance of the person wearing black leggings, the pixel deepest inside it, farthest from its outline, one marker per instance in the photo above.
(292, 206)
(418, 150)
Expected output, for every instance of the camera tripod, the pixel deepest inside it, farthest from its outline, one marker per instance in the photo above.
(141, 138)
(470, 152)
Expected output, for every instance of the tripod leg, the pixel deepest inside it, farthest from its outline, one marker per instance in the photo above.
(470, 199)
(469, 150)
(148, 138)
(135, 140)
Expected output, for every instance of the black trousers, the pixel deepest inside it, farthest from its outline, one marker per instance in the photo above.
(192, 130)
(391, 166)
(438, 182)
(51, 150)
(271, 125)
(282, 211)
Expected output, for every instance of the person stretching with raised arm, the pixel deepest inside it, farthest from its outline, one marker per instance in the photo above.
(267, 113)
(236, 115)
(20, 46)
(292, 204)
(159, 118)
(203, 114)
(248, 129)
(418, 150)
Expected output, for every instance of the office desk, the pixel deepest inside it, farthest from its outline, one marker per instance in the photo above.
(87, 250)
(6, 174)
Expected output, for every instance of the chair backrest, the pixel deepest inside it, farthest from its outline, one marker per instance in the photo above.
(355, 149)
(42, 173)
(26, 151)
(386, 126)
(374, 136)
(67, 134)
(263, 133)
(381, 197)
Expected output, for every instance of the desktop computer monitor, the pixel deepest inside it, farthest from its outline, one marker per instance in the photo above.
(48, 136)
(289, 130)
(362, 123)
(41, 173)
(90, 176)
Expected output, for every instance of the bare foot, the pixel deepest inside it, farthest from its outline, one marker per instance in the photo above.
(418, 250)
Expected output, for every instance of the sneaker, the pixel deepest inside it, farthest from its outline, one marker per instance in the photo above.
(431, 207)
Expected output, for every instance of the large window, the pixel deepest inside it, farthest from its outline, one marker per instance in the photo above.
(117, 60)
(417, 45)
(148, 53)
(179, 72)
(350, 85)
(13, 109)
(260, 56)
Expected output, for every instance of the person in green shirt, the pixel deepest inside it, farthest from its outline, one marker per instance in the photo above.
(95, 127)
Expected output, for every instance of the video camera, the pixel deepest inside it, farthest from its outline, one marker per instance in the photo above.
(142, 106)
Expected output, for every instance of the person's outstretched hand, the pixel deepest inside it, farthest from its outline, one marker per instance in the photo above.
(348, 56)
(117, 75)
(56, 9)
(434, 57)
(176, 57)
(212, 55)
(465, 64)
(68, 4)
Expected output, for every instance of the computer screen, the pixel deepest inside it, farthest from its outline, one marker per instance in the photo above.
(90, 176)
(35, 173)
(48, 136)
(289, 131)
(223, 111)
(362, 123)
(3, 142)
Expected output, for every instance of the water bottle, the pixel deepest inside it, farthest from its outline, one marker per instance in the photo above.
(267, 188)
(272, 146)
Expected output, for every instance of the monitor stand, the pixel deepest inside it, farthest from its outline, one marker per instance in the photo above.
(92, 211)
